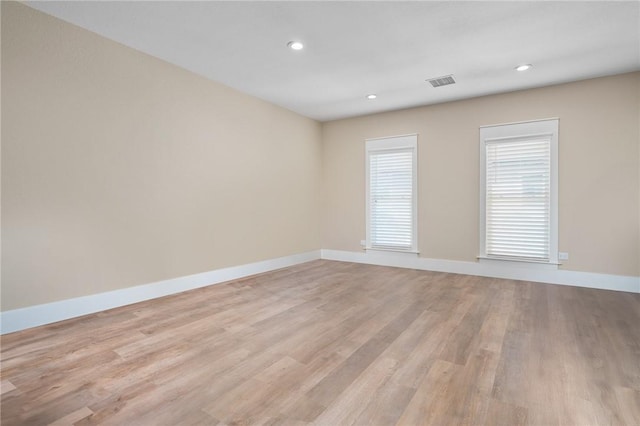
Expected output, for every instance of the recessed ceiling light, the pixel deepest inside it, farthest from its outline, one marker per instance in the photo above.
(523, 67)
(295, 45)
(372, 96)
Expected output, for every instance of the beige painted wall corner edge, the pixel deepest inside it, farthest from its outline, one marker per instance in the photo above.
(34, 316)
(629, 284)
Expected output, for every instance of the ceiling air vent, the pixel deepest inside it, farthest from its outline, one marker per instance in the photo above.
(442, 81)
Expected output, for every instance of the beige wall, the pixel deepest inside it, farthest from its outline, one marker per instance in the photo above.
(119, 169)
(599, 182)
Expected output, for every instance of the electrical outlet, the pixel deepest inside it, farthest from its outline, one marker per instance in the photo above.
(563, 256)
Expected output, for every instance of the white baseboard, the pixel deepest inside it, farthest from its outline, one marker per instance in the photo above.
(33, 316)
(524, 273)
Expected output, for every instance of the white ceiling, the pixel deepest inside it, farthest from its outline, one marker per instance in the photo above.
(356, 48)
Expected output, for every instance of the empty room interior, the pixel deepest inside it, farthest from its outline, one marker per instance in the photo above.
(320, 213)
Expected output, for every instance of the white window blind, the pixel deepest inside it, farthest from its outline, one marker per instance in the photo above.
(392, 194)
(518, 206)
(519, 192)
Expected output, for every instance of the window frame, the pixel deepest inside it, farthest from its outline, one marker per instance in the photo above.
(393, 143)
(513, 132)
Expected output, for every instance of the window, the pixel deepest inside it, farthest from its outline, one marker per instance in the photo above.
(392, 193)
(519, 192)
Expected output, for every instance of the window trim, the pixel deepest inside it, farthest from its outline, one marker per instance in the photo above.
(514, 131)
(391, 143)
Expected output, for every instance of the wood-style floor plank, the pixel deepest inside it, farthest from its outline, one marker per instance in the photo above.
(332, 343)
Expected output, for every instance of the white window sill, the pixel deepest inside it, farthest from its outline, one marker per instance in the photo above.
(392, 252)
(523, 263)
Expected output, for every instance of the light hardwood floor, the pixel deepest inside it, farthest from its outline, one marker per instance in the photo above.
(334, 343)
